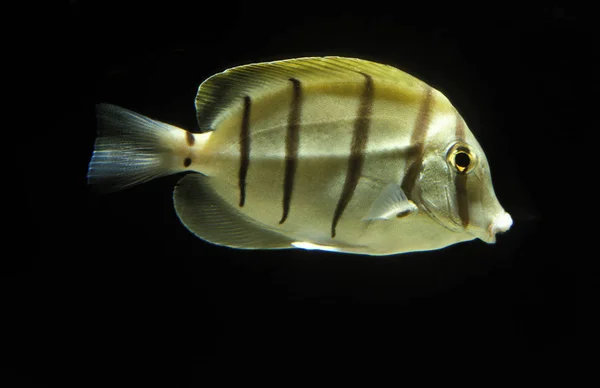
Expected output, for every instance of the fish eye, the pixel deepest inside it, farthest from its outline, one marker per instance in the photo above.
(462, 161)
(462, 158)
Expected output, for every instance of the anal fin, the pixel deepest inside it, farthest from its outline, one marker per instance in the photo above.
(211, 218)
(345, 248)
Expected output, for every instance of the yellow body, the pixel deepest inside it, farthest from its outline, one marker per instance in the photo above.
(297, 152)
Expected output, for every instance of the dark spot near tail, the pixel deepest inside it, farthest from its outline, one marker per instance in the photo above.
(403, 213)
(187, 162)
(189, 137)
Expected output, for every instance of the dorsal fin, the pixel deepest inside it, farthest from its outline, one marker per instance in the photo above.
(217, 94)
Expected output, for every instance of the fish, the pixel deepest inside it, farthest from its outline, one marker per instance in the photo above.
(320, 153)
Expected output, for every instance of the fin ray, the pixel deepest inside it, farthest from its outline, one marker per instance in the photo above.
(217, 94)
(391, 203)
(212, 219)
(128, 150)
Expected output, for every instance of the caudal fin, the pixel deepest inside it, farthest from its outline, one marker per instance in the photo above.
(130, 149)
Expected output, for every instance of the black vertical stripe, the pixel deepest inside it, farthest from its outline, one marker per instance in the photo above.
(189, 138)
(460, 183)
(417, 144)
(244, 149)
(460, 180)
(291, 147)
(460, 127)
(357, 150)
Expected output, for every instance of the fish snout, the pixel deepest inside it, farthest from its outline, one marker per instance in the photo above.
(500, 224)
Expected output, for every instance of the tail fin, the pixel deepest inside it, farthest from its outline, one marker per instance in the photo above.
(130, 149)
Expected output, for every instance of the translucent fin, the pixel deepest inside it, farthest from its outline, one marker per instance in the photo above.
(311, 246)
(218, 93)
(206, 215)
(130, 149)
(391, 203)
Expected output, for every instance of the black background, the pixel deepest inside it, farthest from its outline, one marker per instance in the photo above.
(107, 288)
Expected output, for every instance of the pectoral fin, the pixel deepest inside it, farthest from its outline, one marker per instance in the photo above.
(391, 203)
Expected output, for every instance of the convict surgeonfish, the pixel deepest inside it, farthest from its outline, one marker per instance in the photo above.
(332, 153)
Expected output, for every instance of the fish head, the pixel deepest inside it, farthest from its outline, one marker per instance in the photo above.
(455, 188)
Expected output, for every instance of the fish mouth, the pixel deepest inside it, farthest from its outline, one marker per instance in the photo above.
(500, 224)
